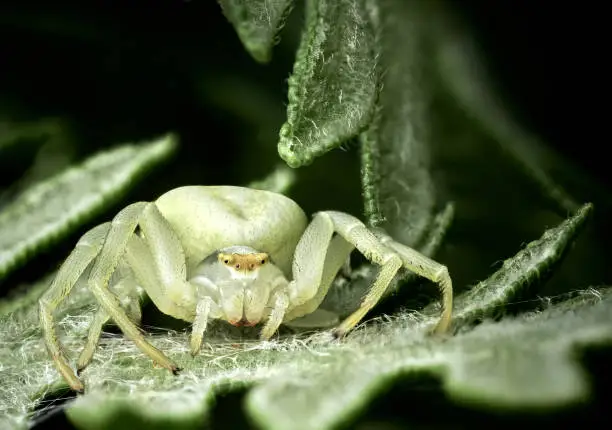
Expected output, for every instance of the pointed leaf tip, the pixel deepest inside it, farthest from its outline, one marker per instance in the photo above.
(257, 23)
(333, 89)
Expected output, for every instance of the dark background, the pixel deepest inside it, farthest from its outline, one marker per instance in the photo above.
(125, 71)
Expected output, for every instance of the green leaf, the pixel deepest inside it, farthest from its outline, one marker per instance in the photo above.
(279, 181)
(334, 85)
(531, 266)
(257, 23)
(12, 132)
(463, 73)
(399, 193)
(527, 362)
(44, 213)
(521, 362)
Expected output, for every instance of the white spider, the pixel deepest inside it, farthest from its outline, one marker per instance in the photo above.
(238, 254)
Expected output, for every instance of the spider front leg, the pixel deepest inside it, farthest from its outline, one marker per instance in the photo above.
(122, 229)
(318, 258)
(391, 256)
(432, 270)
(86, 249)
(316, 261)
(158, 262)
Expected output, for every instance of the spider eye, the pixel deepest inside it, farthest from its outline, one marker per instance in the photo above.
(263, 261)
(226, 261)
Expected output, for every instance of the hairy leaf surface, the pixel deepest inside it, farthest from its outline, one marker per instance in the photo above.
(257, 23)
(334, 85)
(520, 362)
(51, 209)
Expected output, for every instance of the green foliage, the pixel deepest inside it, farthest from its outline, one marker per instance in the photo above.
(398, 188)
(334, 84)
(257, 23)
(373, 73)
(53, 208)
(469, 83)
(506, 364)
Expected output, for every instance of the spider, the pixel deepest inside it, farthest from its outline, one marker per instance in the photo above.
(242, 255)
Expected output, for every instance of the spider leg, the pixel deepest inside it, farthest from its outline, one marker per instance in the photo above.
(432, 270)
(336, 256)
(158, 261)
(86, 249)
(317, 259)
(93, 337)
(122, 228)
(390, 256)
(128, 294)
(308, 264)
(280, 302)
(199, 324)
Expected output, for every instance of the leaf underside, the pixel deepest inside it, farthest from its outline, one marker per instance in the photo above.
(71, 198)
(399, 193)
(334, 85)
(521, 362)
(257, 23)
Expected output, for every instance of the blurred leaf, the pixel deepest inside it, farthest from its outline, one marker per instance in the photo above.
(279, 181)
(464, 73)
(334, 85)
(51, 209)
(523, 362)
(257, 23)
(55, 154)
(12, 132)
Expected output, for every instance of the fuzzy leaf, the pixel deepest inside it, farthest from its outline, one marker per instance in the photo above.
(524, 362)
(257, 23)
(527, 362)
(532, 265)
(399, 193)
(333, 89)
(51, 209)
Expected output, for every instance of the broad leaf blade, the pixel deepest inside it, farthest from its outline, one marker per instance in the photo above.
(257, 23)
(333, 89)
(49, 210)
(522, 362)
(521, 372)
